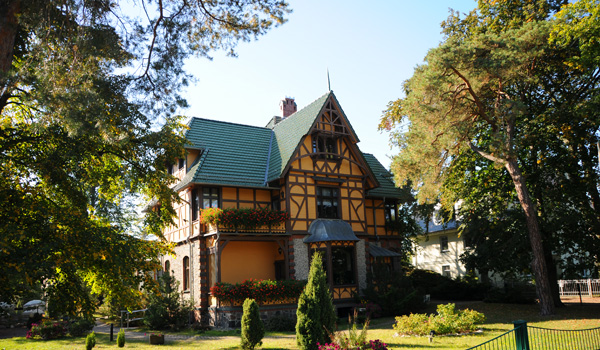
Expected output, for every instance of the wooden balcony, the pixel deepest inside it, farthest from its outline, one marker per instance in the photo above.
(261, 230)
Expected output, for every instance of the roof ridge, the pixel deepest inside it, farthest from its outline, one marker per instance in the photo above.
(231, 123)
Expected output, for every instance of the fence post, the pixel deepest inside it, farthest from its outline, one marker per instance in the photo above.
(521, 338)
(589, 284)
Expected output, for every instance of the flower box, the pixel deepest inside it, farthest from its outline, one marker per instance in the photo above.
(157, 339)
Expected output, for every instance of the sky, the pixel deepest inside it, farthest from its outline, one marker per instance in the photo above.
(369, 48)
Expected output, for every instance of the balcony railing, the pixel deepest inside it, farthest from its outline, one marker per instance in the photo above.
(266, 229)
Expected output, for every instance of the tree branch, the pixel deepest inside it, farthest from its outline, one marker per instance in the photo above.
(486, 155)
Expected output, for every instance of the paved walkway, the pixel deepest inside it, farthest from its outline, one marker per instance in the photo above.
(133, 333)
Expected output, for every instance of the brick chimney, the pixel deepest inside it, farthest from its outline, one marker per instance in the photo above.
(287, 107)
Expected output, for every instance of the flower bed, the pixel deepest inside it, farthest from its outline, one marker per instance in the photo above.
(263, 291)
(243, 218)
(47, 330)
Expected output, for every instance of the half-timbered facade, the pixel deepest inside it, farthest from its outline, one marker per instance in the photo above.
(305, 162)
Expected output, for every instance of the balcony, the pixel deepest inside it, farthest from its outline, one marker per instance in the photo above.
(244, 220)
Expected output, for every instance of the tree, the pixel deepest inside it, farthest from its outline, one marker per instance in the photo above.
(482, 91)
(253, 329)
(166, 310)
(579, 24)
(316, 314)
(88, 98)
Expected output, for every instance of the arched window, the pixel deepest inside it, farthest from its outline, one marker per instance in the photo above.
(186, 273)
(167, 267)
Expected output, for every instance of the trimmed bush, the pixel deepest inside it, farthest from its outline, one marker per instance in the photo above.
(90, 341)
(121, 338)
(445, 288)
(315, 313)
(253, 329)
(448, 320)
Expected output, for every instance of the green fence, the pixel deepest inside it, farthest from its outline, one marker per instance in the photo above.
(524, 337)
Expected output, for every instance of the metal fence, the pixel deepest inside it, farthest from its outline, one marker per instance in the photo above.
(587, 287)
(557, 339)
(126, 316)
(523, 337)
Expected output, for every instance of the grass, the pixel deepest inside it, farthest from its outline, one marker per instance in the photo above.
(499, 320)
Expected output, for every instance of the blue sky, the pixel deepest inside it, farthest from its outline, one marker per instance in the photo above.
(370, 49)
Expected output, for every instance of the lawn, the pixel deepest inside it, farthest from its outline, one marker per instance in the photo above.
(499, 320)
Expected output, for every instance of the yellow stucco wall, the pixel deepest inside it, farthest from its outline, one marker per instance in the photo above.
(245, 260)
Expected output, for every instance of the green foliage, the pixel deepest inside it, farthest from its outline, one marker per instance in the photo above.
(121, 338)
(90, 341)
(253, 329)
(48, 330)
(166, 310)
(88, 103)
(80, 327)
(280, 323)
(442, 287)
(316, 313)
(578, 23)
(243, 218)
(354, 338)
(498, 116)
(392, 291)
(448, 320)
(262, 291)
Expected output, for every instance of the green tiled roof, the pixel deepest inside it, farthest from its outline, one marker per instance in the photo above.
(250, 156)
(386, 188)
(233, 154)
(289, 132)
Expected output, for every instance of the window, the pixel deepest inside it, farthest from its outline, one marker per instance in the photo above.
(167, 267)
(327, 202)
(444, 244)
(170, 168)
(181, 163)
(210, 197)
(391, 211)
(342, 265)
(195, 204)
(186, 273)
(325, 147)
(446, 271)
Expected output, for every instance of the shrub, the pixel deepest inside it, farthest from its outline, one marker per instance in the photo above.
(392, 291)
(510, 295)
(253, 329)
(47, 330)
(121, 338)
(354, 339)
(80, 327)
(166, 310)
(90, 341)
(442, 287)
(315, 313)
(448, 320)
(280, 324)
(262, 291)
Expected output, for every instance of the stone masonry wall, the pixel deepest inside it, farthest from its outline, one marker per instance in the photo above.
(301, 263)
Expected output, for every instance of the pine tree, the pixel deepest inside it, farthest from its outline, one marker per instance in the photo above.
(253, 329)
(90, 341)
(316, 314)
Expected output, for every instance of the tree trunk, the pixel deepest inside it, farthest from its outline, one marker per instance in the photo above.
(540, 269)
(8, 33)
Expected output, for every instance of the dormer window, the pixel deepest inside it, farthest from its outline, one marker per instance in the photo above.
(325, 147)
(181, 163)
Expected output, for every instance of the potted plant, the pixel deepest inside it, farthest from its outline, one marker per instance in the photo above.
(157, 339)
